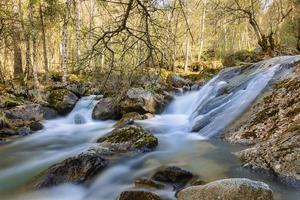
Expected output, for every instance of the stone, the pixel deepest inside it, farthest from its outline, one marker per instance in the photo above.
(62, 100)
(272, 128)
(128, 119)
(173, 175)
(36, 126)
(77, 169)
(106, 109)
(129, 138)
(29, 112)
(138, 100)
(138, 195)
(176, 81)
(228, 189)
(79, 119)
(148, 183)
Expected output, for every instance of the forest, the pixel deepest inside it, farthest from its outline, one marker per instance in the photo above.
(149, 99)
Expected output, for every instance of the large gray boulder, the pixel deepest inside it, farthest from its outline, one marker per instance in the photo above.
(62, 100)
(106, 109)
(28, 112)
(228, 189)
(138, 100)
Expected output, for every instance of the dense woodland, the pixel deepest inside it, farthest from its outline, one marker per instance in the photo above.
(44, 39)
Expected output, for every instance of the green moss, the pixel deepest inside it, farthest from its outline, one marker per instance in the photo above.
(136, 136)
(56, 97)
(148, 141)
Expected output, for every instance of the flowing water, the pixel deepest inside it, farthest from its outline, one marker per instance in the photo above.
(187, 131)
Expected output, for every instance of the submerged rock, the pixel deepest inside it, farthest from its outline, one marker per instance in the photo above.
(129, 138)
(106, 109)
(228, 189)
(73, 170)
(138, 195)
(175, 176)
(62, 100)
(148, 183)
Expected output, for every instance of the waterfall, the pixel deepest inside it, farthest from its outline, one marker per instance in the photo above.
(183, 131)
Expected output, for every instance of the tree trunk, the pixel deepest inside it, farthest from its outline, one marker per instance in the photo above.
(45, 52)
(34, 48)
(187, 47)
(202, 32)
(27, 44)
(16, 42)
(78, 34)
(64, 42)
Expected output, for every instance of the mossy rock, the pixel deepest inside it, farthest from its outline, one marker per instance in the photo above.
(130, 138)
(128, 118)
(62, 100)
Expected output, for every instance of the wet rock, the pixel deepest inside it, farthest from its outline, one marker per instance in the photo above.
(148, 183)
(162, 100)
(73, 170)
(106, 109)
(138, 100)
(148, 116)
(129, 138)
(272, 126)
(28, 112)
(36, 126)
(176, 81)
(280, 155)
(79, 119)
(62, 100)
(24, 131)
(173, 175)
(228, 189)
(138, 195)
(128, 119)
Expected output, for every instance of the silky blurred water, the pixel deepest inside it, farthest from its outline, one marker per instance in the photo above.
(187, 131)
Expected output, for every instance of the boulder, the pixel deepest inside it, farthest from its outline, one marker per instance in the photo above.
(175, 176)
(228, 189)
(29, 112)
(281, 155)
(176, 81)
(128, 119)
(62, 100)
(129, 138)
(77, 169)
(138, 100)
(272, 126)
(138, 195)
(106, 109)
